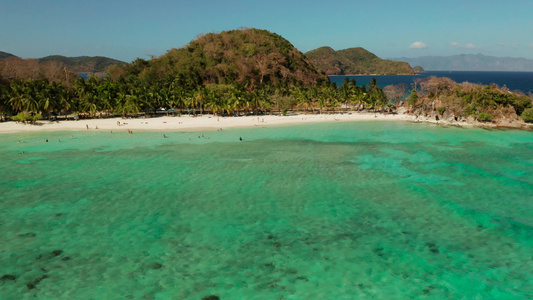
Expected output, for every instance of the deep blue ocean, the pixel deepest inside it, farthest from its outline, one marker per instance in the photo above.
(514, 81)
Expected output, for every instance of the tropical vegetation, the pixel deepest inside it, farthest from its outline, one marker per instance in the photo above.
(444, 98)
(246, 71)
(238, 72)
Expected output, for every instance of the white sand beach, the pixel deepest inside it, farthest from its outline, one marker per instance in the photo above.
(210, 122)
(190, 123)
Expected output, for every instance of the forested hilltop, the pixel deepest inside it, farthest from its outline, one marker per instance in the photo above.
(355, 61)
(245, 71)
(251, 57)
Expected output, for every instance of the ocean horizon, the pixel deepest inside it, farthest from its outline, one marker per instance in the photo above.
(344, 210)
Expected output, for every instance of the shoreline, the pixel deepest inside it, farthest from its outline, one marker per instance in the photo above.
(211, 122)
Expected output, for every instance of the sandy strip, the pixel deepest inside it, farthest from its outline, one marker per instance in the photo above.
(189, 123)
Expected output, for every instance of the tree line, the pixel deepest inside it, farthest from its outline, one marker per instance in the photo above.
(130, 96)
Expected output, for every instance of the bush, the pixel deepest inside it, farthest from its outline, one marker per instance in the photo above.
(413, 98)
(26, 117)
(441, 110)
(527, 115)
(37, 117)
(485, 117)
(521, 104)
(22, 117)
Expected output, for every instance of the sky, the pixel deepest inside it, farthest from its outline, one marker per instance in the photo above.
(126, 30)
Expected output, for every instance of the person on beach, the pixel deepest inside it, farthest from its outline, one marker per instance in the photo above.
(87, 125)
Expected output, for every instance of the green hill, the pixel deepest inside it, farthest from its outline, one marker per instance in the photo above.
(5, 55)
(418, 69)
(249, 56)
(82, 64)
(355, 61)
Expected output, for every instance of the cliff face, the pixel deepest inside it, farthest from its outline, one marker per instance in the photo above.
(355, 61)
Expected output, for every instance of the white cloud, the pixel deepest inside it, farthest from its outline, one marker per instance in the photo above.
(469, 46)
(418, 45)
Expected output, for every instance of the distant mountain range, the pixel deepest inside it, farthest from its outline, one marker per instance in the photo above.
(470, 62)
(355, 61)
(80, 64)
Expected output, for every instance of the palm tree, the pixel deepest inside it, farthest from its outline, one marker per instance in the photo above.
(106, 94)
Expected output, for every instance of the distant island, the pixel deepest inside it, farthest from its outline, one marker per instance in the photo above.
(418, 69)
(83, 64)
(80, 64)
(355, 61)
(470, 62)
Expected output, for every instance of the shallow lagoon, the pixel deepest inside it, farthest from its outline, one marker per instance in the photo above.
(333, 211)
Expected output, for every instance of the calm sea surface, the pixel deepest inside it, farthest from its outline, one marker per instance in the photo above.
(380, 210)
(515, 81)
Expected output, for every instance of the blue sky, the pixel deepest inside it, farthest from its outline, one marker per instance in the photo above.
(126, 30)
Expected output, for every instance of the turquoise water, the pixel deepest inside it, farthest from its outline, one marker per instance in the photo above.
(378, 210)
